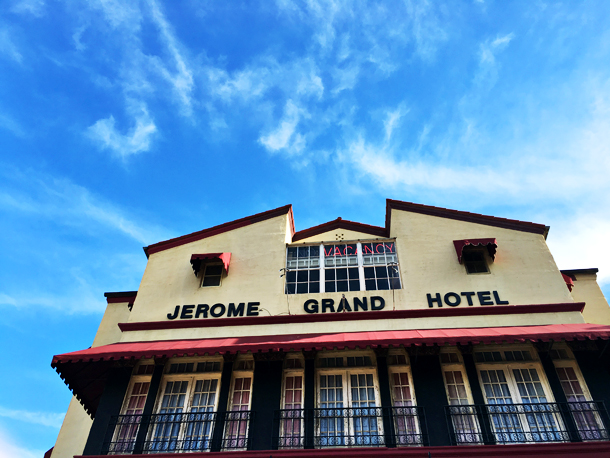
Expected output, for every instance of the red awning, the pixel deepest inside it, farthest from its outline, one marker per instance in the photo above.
(85, 371)
(198, 260)
(491, 245)
(170, 348)
(568, 280)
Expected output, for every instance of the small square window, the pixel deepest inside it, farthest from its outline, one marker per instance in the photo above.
(474, 261)
(212, 274)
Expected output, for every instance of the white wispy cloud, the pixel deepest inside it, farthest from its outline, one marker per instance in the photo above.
(392, 119)
(141, 75)
(8, 123)
(285, 137)
(576, 242)
(427, 27)
(33, 7)
(52, 420)
(63, 201)
(136, 140)
(8, 47)
(10, 449)
(182, 80)
(489, 48)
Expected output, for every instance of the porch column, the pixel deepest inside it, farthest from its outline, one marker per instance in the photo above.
(109, 406)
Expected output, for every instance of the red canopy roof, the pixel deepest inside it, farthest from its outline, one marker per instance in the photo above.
(197, 260)
(491, 245)
(170, 348)
(85, 371)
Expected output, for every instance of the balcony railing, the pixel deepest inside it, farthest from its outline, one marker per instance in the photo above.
(349, 427)
(528, 423)
(177, 432)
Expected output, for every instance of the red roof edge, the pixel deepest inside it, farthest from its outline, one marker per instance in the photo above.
(573, 272)
(340, 223)
(225, 227)
(119, 297)
(477, 218)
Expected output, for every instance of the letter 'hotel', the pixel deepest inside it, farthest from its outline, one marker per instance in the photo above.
(439, 334)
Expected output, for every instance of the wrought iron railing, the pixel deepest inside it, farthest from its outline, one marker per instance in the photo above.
(177, 432)
(349, 427)
(527, 423)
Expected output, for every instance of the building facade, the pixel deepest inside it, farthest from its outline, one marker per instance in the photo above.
(442, 333)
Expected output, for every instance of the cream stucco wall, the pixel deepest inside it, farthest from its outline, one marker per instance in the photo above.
(481, 321)
(524, 271)
(75, 428)
(108, 331)
(258, 252)
(587, 290)
(74, 432)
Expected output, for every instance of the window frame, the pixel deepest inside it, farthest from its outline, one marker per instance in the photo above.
(470, 250)
(360, 265)
(346, 372)
(595, 428)
(220, 277)
(465, 423)
(516, 398)
(191, 378)
(293, 372)
(228, 426)
(135, 378)
(400, 369)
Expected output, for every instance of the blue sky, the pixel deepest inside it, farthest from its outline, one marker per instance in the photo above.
(126, 123)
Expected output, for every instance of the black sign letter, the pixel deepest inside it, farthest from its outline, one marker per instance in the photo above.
(252, 309)
(360, 304)
(187, 311)
(236, 311)
(485, 298)
(328, 304)
(379, 299)
(218, 310)
(202, 309)
(311, 306)
(498, 300)
(468, 295)
(456, 299)
(437, 300)
(173, 316)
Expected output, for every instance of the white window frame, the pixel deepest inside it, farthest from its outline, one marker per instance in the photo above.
(293, 372)
(321, 267)
(346, 372)
(130, 443)
(203, 270)
(465, 426)
(228, 427)
(192, 378)
(582, 413)
(398, 421)
(507, 367)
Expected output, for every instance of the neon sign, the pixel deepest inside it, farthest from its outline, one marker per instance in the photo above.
(352, 249)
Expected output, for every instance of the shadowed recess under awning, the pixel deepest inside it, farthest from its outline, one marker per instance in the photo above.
(199, 260)
(85, 371)
(491, 245)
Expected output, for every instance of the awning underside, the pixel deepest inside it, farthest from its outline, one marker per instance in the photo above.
(491, 245)
(85, 371)
(199, 260)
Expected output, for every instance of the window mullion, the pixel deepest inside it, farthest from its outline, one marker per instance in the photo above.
(322, 272)
(361, 267)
